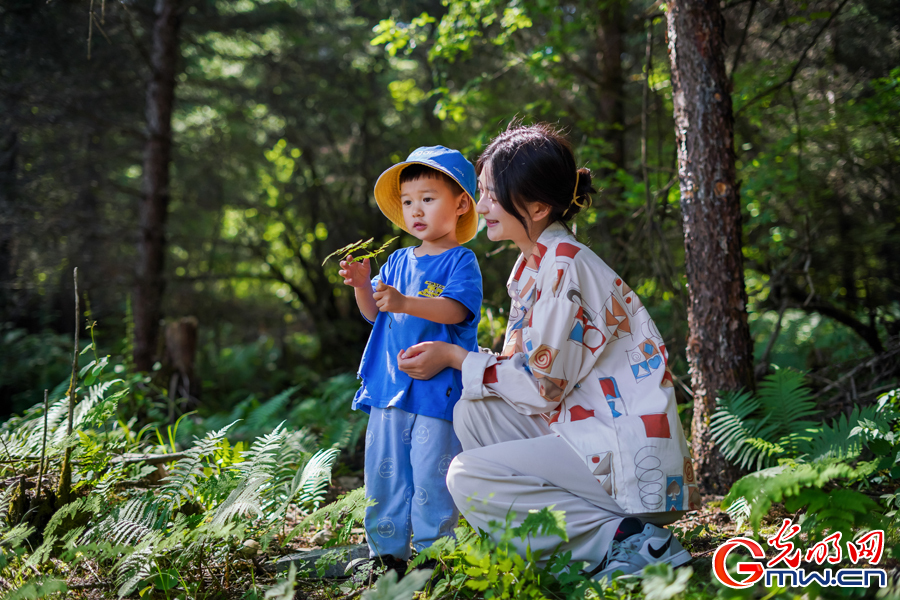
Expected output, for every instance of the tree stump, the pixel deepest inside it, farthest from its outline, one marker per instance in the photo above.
(178, 364)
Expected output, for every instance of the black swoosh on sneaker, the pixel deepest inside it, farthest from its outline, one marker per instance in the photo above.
(658, 552)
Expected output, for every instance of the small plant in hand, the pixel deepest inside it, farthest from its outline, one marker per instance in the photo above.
(357, 273)
(358, 247)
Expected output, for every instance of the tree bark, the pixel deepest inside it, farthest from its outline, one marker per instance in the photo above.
(9, 149)
(719, 348)
(149, 283)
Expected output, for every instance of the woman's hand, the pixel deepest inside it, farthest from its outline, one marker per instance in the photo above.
(356, 274)
(389, 299)
(427, 359)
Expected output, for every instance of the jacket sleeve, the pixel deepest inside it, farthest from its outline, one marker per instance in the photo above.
(562, 343)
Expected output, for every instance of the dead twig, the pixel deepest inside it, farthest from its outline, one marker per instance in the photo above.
(43, 446)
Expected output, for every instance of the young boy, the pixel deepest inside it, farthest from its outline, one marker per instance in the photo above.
(433, 293)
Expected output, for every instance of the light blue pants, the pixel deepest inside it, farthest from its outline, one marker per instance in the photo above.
(407, 457)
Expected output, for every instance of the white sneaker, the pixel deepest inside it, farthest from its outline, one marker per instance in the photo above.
(630, 555)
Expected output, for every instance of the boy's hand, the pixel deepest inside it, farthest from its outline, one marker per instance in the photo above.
(388, 299)
(356, 274)
(427, 359)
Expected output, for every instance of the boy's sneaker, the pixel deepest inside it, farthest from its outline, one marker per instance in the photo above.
(365, 571)
(634, 548)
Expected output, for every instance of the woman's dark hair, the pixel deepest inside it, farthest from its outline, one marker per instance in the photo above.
(535, 163)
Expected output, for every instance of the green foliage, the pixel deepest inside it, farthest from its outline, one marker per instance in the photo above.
(360, 248)
(387, 587)
(345, 513)
(813, 487)
(662, 582)
(493, 566)
(756, 431)
(322, 414)
(284, 588)
(38, 588)
(822, 472)
(29, 364)
(214, 496)
(739, 511)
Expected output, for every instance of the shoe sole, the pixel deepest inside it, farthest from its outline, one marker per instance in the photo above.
(676, 560)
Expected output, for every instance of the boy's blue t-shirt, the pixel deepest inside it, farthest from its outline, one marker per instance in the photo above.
(451, 274)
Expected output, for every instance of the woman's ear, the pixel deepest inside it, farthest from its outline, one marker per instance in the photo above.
(538, 211)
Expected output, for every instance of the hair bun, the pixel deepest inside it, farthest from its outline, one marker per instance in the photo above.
(585, 182)
(582, 194)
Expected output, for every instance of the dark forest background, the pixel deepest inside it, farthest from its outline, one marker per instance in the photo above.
(285, 112)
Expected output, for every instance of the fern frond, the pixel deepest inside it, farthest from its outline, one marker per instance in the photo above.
(91, 504)
(785, 397)
(26, 436)
(16, 536)
(739, 435)
(784, 392)
(261, 459)
(344, 513)
(739, 512)
(5, 496)
(261, 416)
(777, 484)
(187, 473)
(316, 476)
(755, 432)
(298, 446)
(839, 439)
(137, 566)
(243, 499)
(126, 524)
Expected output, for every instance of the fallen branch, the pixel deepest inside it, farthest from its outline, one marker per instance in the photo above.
(148, 459)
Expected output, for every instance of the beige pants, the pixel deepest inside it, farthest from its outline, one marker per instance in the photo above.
(512, 462)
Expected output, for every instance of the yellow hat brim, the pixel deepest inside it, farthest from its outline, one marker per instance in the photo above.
(387, 195)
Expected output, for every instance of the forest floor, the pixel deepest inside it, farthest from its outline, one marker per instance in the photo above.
(701, 532)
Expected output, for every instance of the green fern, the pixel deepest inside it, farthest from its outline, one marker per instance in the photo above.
(801, 487)
(15, 537)
(790, 403)
(316, 476)
(844, 438)
(188, 473)
(739, 511)
(254, 474)
(126, 524)
(5, 497)
(136, 566)
(346, 512)
(262, 416)
(261, 460)
(755, 431)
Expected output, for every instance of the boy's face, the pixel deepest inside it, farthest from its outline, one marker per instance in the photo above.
(431, 209)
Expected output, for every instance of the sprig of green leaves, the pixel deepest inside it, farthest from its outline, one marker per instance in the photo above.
(356, 246)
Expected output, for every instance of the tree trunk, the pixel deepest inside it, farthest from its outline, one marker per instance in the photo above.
(178, 364)
(154, 205)
(719, 348)
(611, 99)
(9, 148)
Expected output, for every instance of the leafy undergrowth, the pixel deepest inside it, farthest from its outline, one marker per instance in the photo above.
(92, 508)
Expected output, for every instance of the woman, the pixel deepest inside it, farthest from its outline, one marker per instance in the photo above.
(578, 412)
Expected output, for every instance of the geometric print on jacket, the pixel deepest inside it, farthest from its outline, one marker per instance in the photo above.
(582, 350)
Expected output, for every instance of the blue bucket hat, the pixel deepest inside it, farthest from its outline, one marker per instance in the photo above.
(446, 160)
